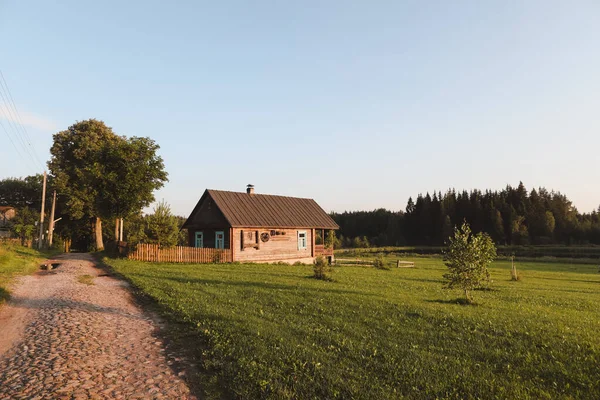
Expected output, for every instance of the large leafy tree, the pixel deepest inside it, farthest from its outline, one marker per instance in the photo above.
(104, 175)
(467, 259)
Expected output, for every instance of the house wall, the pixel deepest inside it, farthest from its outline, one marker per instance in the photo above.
(208, 237)
(278, 248)
(208, 219)
(208, 216)
(6, 216)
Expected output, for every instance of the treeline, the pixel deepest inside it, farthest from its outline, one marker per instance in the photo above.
(24, 194)
(512, 216)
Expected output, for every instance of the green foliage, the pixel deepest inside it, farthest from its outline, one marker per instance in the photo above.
(321, 269)
(331, 240)
(102, 174)
(182, 236)
(162, 226)
(467, 259)
(78, 165)
(23, 223)
(519, 231)
(510, 216)
(266, 331)
(380, 263)
(361, 242)
(22, 192)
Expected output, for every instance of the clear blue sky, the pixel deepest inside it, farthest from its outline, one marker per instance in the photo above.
(357, 104)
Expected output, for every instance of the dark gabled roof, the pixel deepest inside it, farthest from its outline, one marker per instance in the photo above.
(268, 211)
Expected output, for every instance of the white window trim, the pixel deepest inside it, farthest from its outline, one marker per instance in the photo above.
(199, 234)
(300, 247)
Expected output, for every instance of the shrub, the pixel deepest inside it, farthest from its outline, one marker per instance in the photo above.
(379, 263)
(217, 257)
(467, 259)
(322, 269)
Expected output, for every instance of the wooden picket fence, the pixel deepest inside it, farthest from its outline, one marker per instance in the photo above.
(178, 254)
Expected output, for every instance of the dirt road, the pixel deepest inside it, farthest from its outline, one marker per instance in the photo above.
(63, 338)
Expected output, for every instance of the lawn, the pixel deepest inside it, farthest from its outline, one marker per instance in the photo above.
(270, 331)
(14, 261)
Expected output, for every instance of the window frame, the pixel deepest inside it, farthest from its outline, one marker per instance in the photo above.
(199, 234)
(222, 240)
(303, 239)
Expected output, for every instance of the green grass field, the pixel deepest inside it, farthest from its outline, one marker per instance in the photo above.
(270, 331)
(14, 261)
(586, 253)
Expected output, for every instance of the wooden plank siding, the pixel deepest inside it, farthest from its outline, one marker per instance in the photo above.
(277, 248)
(321, 250)
(179, 254)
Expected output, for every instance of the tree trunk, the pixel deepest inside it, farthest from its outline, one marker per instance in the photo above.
(98, 233)
(467, 295)
(117, 230)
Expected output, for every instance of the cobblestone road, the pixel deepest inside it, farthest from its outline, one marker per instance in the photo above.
(61, 338)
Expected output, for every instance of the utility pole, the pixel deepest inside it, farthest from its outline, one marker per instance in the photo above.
(42, 213)
(51, 224)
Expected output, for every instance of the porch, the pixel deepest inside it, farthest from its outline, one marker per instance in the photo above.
(321, 250)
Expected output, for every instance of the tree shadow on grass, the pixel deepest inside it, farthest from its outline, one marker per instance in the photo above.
(254, 284)
(4, 295)
(460, 301)
(486, 289)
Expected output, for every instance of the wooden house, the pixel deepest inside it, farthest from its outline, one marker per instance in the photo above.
(260, 228)
(6, 214)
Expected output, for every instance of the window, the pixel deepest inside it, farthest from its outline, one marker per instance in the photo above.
(301, 240)
(219, 240)
(199, 239)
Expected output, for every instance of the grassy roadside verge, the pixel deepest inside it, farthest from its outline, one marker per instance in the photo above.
(15, 261)
(269, 331)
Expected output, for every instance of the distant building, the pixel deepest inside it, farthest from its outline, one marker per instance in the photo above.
(260, 227)
(6, 214)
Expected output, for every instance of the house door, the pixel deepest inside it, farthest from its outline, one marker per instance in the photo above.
(219, 240)
(199, 239)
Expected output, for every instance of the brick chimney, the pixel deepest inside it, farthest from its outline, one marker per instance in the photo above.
(250, 189)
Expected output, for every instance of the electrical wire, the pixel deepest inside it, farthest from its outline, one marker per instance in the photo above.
(15, 124)
(20, 120)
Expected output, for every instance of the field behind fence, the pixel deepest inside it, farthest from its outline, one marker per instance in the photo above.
(178, 254)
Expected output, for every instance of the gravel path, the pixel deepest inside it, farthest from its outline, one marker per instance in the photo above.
(61, 338)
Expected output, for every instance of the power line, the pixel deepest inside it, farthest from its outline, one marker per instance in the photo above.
(12, 118)
(13, 134)
(27, 137)
(12, 142)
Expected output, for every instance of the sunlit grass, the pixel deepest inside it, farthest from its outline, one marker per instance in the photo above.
(271, 331)
(14, 261)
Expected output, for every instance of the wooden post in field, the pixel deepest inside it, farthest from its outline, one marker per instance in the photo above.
(513, 272)
(42, 213)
